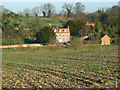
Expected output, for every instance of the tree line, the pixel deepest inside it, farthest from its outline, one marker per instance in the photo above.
(24, 28)
(48, 10)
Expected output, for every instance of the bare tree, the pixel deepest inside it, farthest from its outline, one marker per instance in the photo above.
(79, 7)
(63, 12)
(36, 11)
(26, 12)
(47, 9)
(3, 9)
(68, 7)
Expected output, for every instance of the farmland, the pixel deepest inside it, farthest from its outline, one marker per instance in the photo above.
(50, 67)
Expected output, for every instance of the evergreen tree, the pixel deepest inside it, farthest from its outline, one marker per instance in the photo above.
(97, 27)
(45, 36)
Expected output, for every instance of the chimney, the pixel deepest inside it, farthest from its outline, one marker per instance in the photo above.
(56, 26)
(68, 27)
(50, 25)
(87, 22)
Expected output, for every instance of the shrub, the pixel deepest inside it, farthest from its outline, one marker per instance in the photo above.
(27, 40)
(77, 27)
(114, 41)
(57, 47)
(76, 43)
(45, 36)
(11, 41)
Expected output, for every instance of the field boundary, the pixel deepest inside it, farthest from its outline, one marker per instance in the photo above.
(27, 45)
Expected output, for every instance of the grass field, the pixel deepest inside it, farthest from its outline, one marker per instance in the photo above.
(54, 21)
(92, 66)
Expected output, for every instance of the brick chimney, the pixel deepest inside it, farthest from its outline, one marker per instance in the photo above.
(68, 27)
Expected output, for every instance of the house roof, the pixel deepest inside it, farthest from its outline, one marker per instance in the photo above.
(90, 24)
(105, 36)
(62, 30)
(102, 35)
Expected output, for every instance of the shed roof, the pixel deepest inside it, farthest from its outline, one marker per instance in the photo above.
(105, 36)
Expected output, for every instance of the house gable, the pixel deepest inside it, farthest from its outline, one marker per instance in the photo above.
(105, 40)
(105, 37)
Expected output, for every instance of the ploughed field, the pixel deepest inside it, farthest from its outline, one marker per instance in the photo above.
(90, 67)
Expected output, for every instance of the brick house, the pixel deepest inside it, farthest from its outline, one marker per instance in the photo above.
(105, 40)
(62, 34)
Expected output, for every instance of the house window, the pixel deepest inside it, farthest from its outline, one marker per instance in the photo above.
(63, 39)
(55, 30)
(66, 39)
(56, 35)
(66, 34)
(59, 30)
(60, 35)
(63, 35)
(64, 30)
(56, 39)
(60, 40)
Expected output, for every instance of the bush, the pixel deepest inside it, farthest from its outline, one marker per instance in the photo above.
(55, 48)
(86, 42)
(76, 43)
(27, 40)
(114, 41)
(45, 36)
(12, 41)
(77, 27)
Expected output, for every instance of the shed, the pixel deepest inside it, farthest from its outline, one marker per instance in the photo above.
(105, 40)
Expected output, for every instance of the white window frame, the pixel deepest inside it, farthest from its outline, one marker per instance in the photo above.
(59, 30)
(64, 30)
(63, 39)
(66, 34)
(60, 35)
(60, 40)
(54, 30)
(66, 39)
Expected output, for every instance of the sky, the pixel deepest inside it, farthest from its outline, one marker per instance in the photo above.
(59, 0)
(90, 5)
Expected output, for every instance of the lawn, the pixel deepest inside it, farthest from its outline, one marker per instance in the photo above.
(92, 66)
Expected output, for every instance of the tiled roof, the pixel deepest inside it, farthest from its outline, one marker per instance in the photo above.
(105, 36)
(90, 24)
(61, 30)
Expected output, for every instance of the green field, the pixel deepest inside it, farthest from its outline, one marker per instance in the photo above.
(54, 21)
(92, 66)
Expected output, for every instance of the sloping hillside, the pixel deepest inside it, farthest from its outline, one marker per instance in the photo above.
(57, 21)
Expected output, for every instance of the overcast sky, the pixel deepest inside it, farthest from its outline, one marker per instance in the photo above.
(90, 5)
